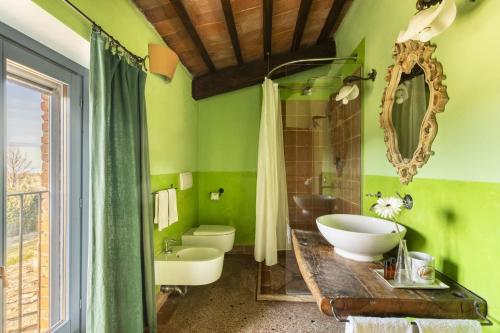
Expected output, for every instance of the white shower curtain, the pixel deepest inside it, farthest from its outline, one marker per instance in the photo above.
(271, 231)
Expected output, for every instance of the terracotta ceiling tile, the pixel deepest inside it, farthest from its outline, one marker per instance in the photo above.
(315, 21)
(169, 10)
(193, 61)
(204, 11)
(208, 19)
(155, 14)
(252, 46)
(166, 27)
(282, 42)
(242, 5)
(180, 43)
(147, 4)
(280, 6)
(214, 33)
(285, 21)
(249, 20)
(223, 56)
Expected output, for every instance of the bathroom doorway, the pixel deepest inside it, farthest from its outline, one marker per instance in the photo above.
(322, 149)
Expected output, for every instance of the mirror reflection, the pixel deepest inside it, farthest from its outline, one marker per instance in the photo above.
(411, 100)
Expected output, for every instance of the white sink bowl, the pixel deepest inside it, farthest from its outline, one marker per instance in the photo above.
(189, 266)
(360, 238)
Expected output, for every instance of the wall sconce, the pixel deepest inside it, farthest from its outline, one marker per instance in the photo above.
(429, 22)
(162, 60)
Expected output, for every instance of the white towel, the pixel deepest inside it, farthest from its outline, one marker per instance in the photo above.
(377, 325)
(172, 206)
(448, 326)
(155, 219)
(162, 209)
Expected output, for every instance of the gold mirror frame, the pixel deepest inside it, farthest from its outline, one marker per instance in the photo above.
(406, 56)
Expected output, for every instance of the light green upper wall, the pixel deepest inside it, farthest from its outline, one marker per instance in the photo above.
(466, 145)
(229, 123)
(172, 113)
(229, 130)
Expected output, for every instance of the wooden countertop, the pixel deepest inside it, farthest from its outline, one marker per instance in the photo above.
(352, 288)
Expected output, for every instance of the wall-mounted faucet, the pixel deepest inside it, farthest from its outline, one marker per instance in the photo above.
(166, 243)
(375, 195)
(407, 199)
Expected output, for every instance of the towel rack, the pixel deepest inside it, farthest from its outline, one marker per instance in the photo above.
(485, 321)
(171, 186)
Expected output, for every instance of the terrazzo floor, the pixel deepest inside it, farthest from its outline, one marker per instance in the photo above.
(229, 305)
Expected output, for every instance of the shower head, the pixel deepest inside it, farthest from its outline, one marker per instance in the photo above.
(315, 120)
(347, 93)
(307, 91)
(350, 91)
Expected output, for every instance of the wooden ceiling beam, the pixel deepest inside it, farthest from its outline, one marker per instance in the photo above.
(231, 27)
(331, 20)
(268, 27)
(186, 21)
(305, 6)
(252, 73)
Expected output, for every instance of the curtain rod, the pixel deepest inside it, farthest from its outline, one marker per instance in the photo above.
(308, 60)
(85, 16)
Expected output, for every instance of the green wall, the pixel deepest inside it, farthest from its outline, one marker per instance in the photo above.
(228, 130)
(236, 206)
(172, 113)
(457, 193)
(187, 208)
(228, 134)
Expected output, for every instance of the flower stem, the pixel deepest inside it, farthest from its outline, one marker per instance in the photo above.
(397, 228)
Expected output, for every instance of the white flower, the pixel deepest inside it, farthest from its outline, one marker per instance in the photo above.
(388, 207)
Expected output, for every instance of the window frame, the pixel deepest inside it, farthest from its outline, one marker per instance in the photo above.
(15, 45)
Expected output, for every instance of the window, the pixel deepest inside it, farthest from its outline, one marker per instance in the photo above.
(42, 193)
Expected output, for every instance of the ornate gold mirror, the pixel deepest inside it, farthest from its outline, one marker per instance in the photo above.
(414, 95)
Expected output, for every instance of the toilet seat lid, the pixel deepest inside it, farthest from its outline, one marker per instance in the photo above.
(213, 230)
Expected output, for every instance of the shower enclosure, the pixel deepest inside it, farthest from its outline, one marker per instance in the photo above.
(322, 149)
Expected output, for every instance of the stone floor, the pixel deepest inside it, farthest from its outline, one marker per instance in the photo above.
(283, 279)
(229, 305)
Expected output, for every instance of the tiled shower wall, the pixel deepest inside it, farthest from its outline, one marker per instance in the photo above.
(323, 159)
(346, 144)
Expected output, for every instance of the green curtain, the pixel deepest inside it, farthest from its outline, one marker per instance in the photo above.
(121, 291)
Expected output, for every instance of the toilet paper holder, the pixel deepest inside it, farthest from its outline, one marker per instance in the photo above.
(220, 191)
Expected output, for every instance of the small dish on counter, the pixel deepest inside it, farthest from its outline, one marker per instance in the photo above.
(438, 284)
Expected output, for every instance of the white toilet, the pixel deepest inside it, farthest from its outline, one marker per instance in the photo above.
(218, 236)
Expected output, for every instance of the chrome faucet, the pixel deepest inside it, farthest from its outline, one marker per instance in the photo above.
(376, 195)
(406, 199)
(167, 242)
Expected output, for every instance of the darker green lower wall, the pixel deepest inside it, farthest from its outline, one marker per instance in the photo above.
(236, 206)
(187, 208)
(458, 223)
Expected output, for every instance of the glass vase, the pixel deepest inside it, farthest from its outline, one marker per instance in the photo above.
(403, 266)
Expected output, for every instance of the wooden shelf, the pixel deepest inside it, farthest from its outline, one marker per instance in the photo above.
(352, 288)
